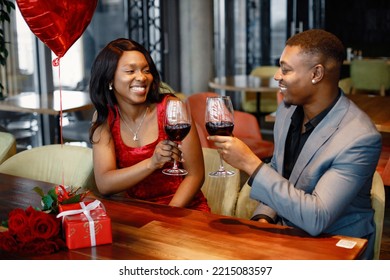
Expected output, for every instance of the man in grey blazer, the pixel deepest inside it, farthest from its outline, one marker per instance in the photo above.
(326, 148)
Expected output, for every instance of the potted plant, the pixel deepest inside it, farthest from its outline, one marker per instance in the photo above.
(5, 9)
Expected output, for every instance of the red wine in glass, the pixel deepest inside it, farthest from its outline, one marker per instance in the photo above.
(177, 132)
(223, 128)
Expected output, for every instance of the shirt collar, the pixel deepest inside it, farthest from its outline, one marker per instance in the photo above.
(297, 116)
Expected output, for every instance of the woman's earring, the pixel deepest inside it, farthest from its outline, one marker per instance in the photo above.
(313, 81)
(110, 86)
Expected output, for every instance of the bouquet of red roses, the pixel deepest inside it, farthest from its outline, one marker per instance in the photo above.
(38, 231)
(31, 231)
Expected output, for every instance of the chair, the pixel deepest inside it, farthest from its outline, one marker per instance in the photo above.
(57, 164)
(77, 131)
(221, 193)
(246, 206)
(247, 129)
(202, 133)
(346, 85)
(378, 204)
(383, 166)
(165, 88)
(386, 174)
(246, 126)
(181, 95)
(370, 75)
(197, 104)
(23, 126)
(78, 126)
(269, 102)
(7, 146)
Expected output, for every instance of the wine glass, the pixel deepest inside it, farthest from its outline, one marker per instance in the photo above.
(220, 121)
(177, 125)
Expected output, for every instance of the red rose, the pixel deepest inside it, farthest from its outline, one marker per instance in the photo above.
(44, 225)
(60, 242)
(24, 235)
(7, 242)
(39, 247)
(30, 210)
(47, 247)
(17, 220)
(29, 248)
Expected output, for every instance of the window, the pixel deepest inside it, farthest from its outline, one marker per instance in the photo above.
(278, 29)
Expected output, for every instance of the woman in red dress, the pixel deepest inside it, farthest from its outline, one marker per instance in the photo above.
(130, 146)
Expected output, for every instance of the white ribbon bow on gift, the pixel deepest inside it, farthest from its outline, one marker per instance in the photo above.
(85, 209)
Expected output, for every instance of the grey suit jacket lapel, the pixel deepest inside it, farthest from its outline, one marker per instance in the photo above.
(321, 133)
(285, 121)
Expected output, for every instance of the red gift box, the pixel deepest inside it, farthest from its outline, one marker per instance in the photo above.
(85, 224)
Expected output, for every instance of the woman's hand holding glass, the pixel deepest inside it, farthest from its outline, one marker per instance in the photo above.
(164, 152)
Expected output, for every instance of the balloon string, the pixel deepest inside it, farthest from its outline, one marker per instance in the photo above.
(56, 62)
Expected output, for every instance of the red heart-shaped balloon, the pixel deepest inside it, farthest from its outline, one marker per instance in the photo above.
(57, 23)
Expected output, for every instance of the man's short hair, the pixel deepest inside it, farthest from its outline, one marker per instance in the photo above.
(319, 42)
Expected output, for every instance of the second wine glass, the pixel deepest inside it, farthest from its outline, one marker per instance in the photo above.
(177, 125)
(220, 121)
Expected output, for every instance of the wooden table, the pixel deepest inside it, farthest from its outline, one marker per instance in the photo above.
(244, 83)
(143, 230)
(376, 107)
(32, 102)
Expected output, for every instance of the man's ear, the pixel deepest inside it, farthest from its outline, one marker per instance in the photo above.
(318, 73)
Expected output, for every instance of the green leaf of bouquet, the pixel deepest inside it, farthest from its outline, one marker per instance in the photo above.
(73, 199)
(4, 224)
(39, 191)
(53, 194)
(47, 202)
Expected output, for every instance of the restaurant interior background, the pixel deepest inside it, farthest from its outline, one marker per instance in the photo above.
(190, 41)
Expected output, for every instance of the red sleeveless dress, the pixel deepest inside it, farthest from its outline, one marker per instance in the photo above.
(157, 187)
